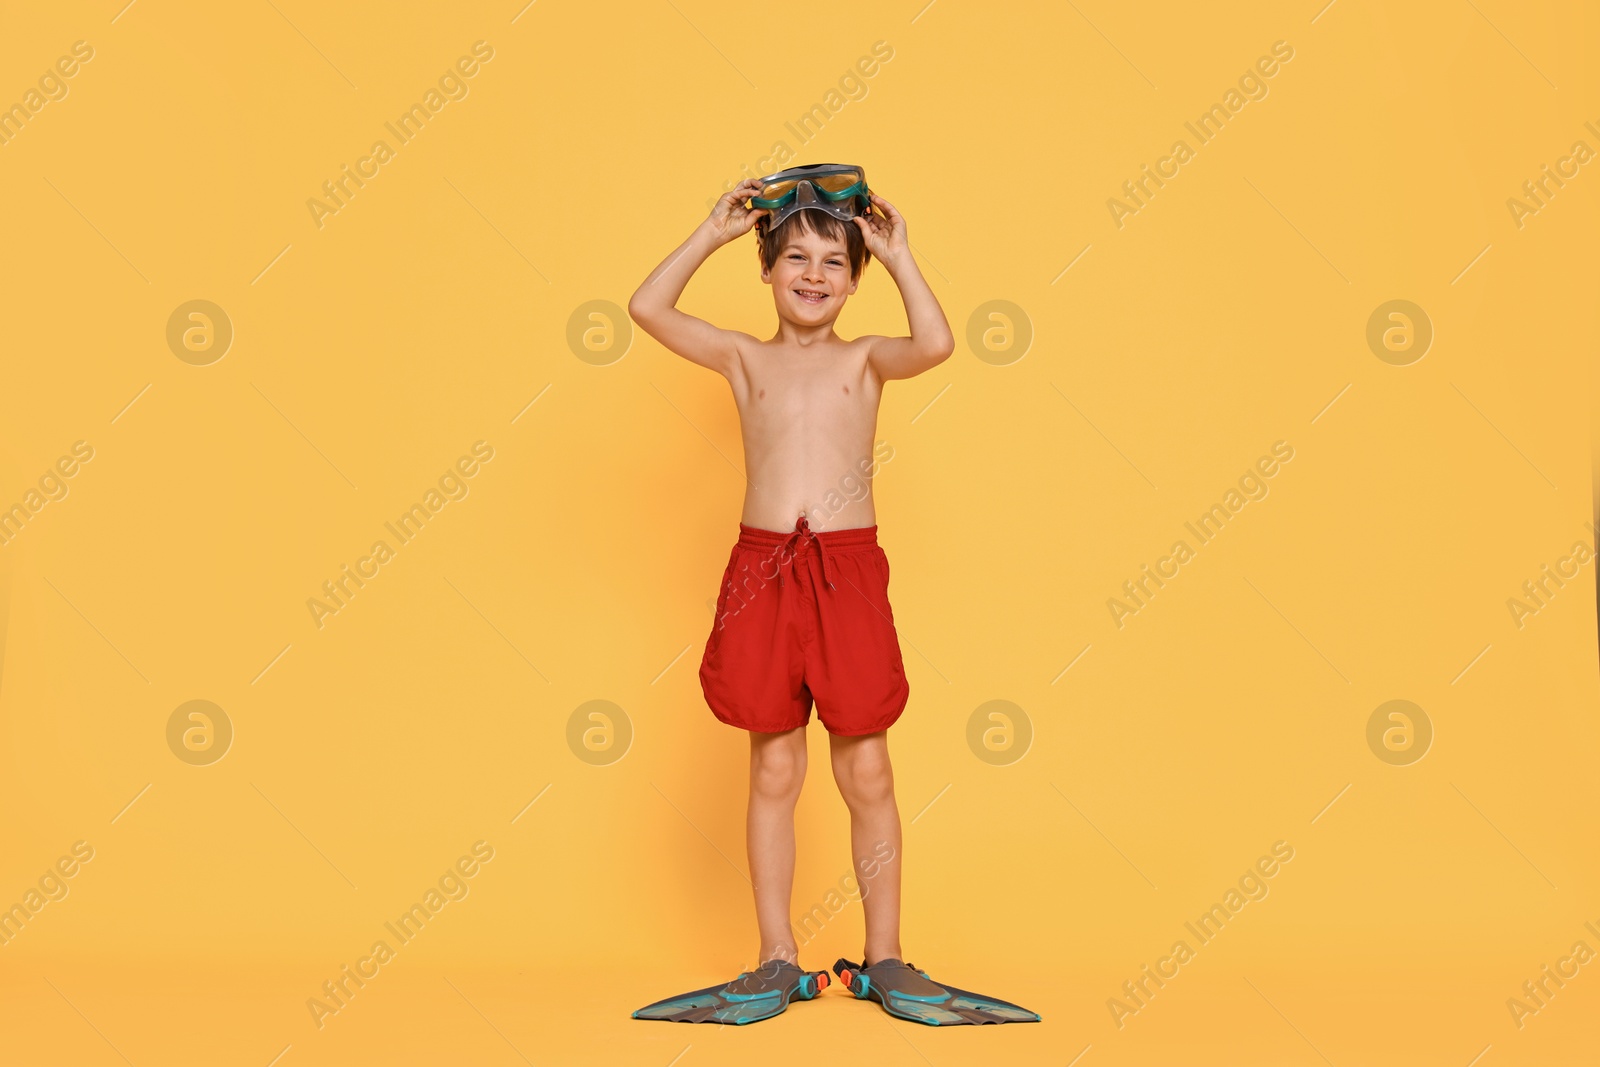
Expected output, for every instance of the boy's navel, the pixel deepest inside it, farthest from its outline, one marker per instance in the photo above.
(847, 388)
(761, 394)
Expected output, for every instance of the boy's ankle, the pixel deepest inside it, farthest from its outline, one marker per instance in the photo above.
(788, 953)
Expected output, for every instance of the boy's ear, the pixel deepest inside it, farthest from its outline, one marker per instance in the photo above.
(766, 274)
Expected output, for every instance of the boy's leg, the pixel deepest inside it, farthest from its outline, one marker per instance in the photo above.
(777, 770)
(866, 781)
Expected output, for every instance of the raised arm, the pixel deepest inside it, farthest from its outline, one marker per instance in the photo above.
(931, 341)
(654, 305)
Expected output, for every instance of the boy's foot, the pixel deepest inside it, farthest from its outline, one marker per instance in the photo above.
(908, 993)
(751, 997)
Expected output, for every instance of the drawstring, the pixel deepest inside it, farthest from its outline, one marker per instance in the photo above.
(803, 528)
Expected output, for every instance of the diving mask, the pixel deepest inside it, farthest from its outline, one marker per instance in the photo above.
(838, 189)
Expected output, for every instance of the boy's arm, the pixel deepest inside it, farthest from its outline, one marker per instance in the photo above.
(654, 305)
(931, 341)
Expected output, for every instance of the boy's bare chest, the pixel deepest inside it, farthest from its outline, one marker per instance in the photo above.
(839, 394)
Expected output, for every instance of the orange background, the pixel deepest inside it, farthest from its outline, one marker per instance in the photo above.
(437, 308)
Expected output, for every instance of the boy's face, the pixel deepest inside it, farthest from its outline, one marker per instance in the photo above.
(810, 279)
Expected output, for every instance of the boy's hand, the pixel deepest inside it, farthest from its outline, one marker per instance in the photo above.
(885, 235)
(732, 218)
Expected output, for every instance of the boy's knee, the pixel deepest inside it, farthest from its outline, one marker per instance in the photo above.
(866, 778)
(778, 772)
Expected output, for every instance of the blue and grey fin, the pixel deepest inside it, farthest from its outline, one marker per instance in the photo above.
(907, 993)
(751, 997)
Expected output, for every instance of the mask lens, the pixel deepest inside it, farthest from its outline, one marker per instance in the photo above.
(774, 190)
(838, 183)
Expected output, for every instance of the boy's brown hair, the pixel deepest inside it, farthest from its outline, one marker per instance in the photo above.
(823, 225)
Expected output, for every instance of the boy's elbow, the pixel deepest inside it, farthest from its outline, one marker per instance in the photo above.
(644, 313)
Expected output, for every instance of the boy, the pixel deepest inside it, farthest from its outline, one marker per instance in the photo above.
(803, 615)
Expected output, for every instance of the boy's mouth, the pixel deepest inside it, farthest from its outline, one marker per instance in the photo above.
(811, 296)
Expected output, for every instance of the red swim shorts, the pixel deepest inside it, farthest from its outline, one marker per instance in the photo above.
(805, 616)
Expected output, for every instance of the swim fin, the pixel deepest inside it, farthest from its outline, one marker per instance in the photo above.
(749, 998)
(908, 993)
